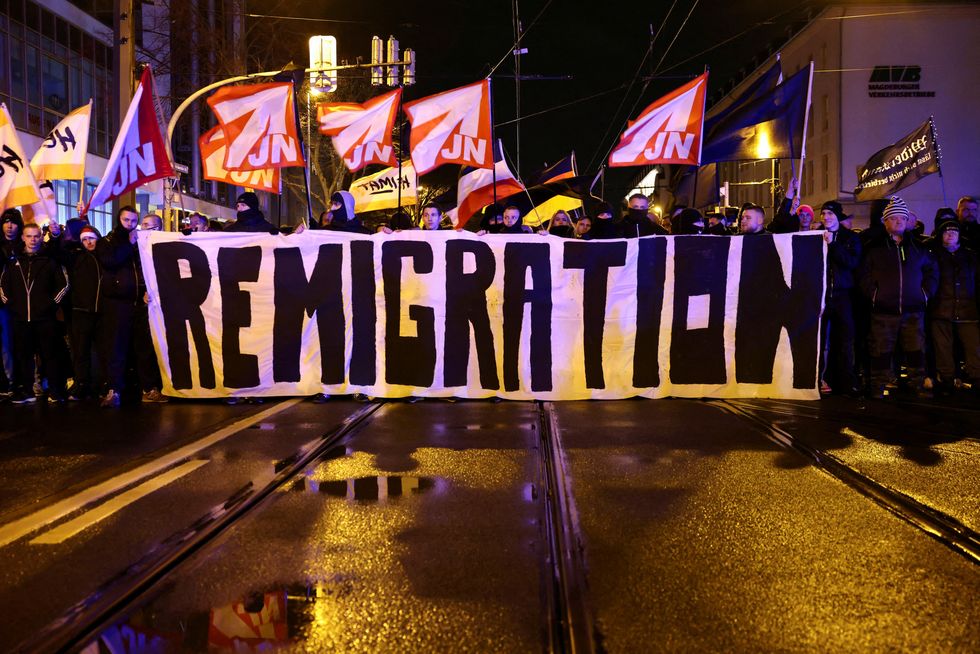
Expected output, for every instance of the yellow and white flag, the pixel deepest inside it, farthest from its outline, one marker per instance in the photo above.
(380, 190)
(17, 184)
(62, 153)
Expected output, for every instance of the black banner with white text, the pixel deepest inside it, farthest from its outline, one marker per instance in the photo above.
(450, 314)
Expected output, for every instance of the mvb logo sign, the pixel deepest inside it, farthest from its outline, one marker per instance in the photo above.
(452, 127)
(260, 126)
(897, 82)
(668, 131)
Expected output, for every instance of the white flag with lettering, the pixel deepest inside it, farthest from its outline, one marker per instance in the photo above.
(62, 153)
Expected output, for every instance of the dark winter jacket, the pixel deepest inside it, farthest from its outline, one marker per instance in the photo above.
(85, 275)
(843, 259)
(604, 229)
(122, 274)
(32, 286)
(562, 231)
(637, 223)
(898, 279)
(251, 220)
(959, 278)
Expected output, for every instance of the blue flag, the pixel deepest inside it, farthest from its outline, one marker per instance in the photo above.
(770, 127)
(764, 84)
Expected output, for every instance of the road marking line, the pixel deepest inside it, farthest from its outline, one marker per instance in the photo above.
(101, 512)
(31, 523)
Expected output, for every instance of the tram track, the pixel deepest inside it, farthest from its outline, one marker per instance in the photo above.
(568, 622)
(939, 525)
(82, 622)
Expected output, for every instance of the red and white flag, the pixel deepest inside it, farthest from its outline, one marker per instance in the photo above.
(259, 122)
(140, 154)
(361, 133)
(475, 189)
(668, 131)
(451, 127)
(213, 147)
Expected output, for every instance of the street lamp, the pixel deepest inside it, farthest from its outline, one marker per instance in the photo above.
(323, 60)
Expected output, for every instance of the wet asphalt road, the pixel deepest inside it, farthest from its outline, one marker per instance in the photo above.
(425, 528)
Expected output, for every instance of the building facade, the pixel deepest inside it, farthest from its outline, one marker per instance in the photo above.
(880, 72)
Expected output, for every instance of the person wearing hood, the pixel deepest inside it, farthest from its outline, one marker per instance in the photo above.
(689, 221)
(560, 225)
(342, 214)
(400, 221)
(637, 221)
(85, 276)
(33, 285)
(603, 227)
(514, 222)
(11, 226)
(838, 371)
(954, 313)
(123, 303)
(493, 220)
(250, 219)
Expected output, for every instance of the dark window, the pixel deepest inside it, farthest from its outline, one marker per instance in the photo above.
(17, 87)
(55, 83)
(4, 75)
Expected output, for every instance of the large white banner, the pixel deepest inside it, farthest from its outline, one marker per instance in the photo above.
(443, 314)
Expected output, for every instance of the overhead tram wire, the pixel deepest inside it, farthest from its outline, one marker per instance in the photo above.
(636, 75)
(562, 106)
(519, 39)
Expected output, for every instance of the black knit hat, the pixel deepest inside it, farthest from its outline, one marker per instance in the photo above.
(604, 207)
(12, 216)
(250, 199)
(946, 226)
(834, 207)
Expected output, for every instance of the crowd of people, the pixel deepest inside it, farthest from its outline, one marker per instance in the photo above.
(901, 307)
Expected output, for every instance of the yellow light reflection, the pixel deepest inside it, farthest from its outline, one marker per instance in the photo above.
(763, 144)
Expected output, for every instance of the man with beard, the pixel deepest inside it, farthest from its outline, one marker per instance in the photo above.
(32, 285)
(250, 219)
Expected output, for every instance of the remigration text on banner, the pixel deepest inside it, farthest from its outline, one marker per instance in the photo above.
(452, 314)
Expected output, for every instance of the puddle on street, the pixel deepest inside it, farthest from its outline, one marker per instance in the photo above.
(371, 489)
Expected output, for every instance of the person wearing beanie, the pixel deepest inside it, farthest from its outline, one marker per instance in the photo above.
(250, 218)
(689, 221)
(837, 369)
(954, 313)
(603, 227)
(898, 277)
(805, 212)
(637, 221)
(85, 276)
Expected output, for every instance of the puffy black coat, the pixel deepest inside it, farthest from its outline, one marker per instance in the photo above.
(843, 259)
(959, 278)
(604, 229)
(33, 286)
(898, 279)
(122, 274)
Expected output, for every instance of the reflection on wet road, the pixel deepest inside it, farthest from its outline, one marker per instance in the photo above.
(432, 527)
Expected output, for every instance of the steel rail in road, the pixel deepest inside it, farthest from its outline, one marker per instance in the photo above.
(939, 525)
(83, 622)
(570, 619)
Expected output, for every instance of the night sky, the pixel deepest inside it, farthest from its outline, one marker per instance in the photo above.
(600, 45)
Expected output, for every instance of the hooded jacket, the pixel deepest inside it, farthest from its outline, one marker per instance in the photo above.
(898, 279)
(344, 219)
(33, 285)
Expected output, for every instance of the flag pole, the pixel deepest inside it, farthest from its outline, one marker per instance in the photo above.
(401, 147)
(306, 168)
(493, 142)
(939, 160)
(806, 126)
